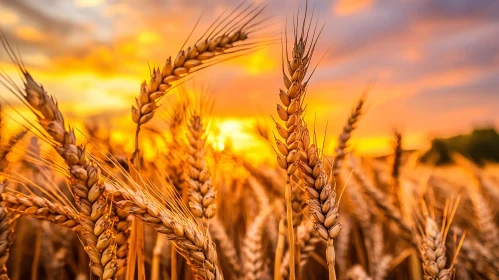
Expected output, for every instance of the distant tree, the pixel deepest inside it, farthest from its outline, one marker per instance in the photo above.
(480, 146)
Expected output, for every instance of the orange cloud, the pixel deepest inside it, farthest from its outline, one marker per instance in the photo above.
(8, 17)
(349, 7)
(28, 33)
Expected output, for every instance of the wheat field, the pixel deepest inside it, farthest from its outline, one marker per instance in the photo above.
(76, 206)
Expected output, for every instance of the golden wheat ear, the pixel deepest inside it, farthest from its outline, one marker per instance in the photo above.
(86, 183)
(221, 41)
(432, 241)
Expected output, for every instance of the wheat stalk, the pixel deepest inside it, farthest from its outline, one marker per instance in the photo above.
(86, 184)
(396, 165)
(308, 241)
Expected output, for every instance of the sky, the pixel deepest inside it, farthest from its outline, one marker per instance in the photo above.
(430, 68)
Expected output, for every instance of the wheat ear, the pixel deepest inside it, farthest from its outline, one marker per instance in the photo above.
(290, 111)
(226, 246)
(202, 193)
(6, 235)
(252, 250)
(382, 268)
(343, 139)
(219, 40)
(485, 222)
(322, 203)
(167, 217)
(357, 273)
(432, 243)
(86, 185)
(42, 209)
(381, 202)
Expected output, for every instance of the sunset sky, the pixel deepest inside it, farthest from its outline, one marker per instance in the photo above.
(432, 67)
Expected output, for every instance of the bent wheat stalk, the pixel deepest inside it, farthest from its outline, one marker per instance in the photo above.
(86, 184)
(216, 42)
(167, 216)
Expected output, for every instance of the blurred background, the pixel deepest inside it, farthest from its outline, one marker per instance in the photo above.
(429, 68)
